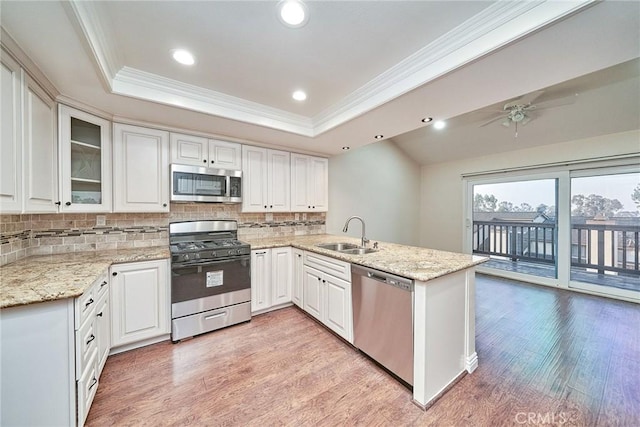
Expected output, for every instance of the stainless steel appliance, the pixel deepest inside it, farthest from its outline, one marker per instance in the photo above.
(383, 319)
(202, 184)
(210, 277)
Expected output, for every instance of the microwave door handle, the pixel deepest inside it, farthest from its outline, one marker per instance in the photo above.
(227, 184)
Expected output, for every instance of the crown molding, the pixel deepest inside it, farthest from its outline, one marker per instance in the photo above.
(496, 26)
(86, 16)
(14, 50)
(140, 84)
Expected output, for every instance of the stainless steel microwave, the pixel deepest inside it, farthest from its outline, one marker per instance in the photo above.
(200, 184)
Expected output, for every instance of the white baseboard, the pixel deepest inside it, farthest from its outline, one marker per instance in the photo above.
(471, 363)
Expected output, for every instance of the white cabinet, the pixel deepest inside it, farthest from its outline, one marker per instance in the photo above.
(309, 183)
(297, 279)
(139, 302)
(260, 280)
(271, 279)
(40, 159)
(327, 293)
(199, 151)
(140, 169)
(50, 365)
(281, 276)
(266, 180)
(10, 135)
(92, 340)
(85, 161)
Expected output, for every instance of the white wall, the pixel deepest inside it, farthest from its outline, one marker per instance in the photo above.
(380, 183)
(441, 205)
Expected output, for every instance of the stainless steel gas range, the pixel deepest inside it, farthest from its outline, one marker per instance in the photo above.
(210, 277)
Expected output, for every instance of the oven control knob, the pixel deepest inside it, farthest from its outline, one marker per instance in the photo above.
(196, 256)
(185, 257)
(213, 254)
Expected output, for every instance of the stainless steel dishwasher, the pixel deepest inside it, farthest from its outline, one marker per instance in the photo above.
(383, 319)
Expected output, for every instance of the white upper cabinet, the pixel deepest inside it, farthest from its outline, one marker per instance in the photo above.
(266, 180)
(225, 155)
(85, 161)
(199, 151)
(11, 135)
(140, 169)
(309, 183)
(40, 159)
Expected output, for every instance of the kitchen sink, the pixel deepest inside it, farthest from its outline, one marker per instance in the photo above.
(359, 251)
(337, 246)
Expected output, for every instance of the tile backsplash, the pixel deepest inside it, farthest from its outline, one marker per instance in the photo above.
(42, 234)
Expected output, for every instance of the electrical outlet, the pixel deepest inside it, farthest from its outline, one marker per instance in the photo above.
(304, 216)
(101, 220)
(297, 217)
(268, 217)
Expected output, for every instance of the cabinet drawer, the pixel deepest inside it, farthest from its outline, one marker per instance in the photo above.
(86, 345)
(87, 386)
(85, 307)
(328, 265)
(101, 286)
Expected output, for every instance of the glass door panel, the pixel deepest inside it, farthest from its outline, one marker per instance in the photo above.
(514, 223)
(605, 231)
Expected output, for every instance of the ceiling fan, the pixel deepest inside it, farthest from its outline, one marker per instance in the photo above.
(519, 110)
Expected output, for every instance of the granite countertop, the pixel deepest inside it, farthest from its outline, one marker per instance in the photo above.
(51, 277)
(413, 262)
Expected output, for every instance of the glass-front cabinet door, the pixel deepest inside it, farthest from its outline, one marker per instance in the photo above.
(85, 161)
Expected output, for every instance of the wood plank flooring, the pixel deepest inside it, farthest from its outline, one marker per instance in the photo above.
(546, 357)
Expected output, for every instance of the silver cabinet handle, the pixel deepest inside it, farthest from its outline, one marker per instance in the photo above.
(89, 302)
(94, 381)
(103, 284)
(213, 316)
(91, 338)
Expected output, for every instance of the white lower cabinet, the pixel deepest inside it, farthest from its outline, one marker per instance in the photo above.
(271, 279)
(139, 304)
(327, 293)
(297, 256)
(50, 368)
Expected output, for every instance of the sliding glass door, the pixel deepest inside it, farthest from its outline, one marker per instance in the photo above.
(605, 227)
(514, 223)
(575, 229)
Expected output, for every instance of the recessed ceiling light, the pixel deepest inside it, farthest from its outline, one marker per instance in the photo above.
(183, 56)
(346, 148)
(427, 119)
(293, 13)
(379, 136)
(299, 95)
(439, 124)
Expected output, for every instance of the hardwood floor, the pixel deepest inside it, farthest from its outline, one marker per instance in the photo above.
(546, 357)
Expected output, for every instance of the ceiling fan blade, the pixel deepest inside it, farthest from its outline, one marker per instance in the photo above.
(558, 102)
(524, 100)
(530, 97)
(494, 119)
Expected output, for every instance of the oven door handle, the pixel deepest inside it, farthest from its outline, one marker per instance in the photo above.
(204, 263)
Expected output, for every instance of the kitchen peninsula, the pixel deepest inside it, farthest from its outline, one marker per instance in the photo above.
(443, 303)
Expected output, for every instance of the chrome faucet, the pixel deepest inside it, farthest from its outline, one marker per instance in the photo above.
(363, 240)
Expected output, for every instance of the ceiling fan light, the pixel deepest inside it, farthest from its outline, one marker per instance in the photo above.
(182, 56)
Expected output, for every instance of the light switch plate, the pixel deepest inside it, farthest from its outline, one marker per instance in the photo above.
(101, 220)
(268, 217)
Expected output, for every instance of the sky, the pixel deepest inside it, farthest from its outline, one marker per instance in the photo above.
(542, 191)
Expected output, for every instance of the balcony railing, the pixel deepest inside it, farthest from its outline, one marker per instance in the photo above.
(601, 248)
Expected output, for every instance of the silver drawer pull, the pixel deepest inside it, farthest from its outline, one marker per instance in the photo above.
(213, 316)
(91, 338)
